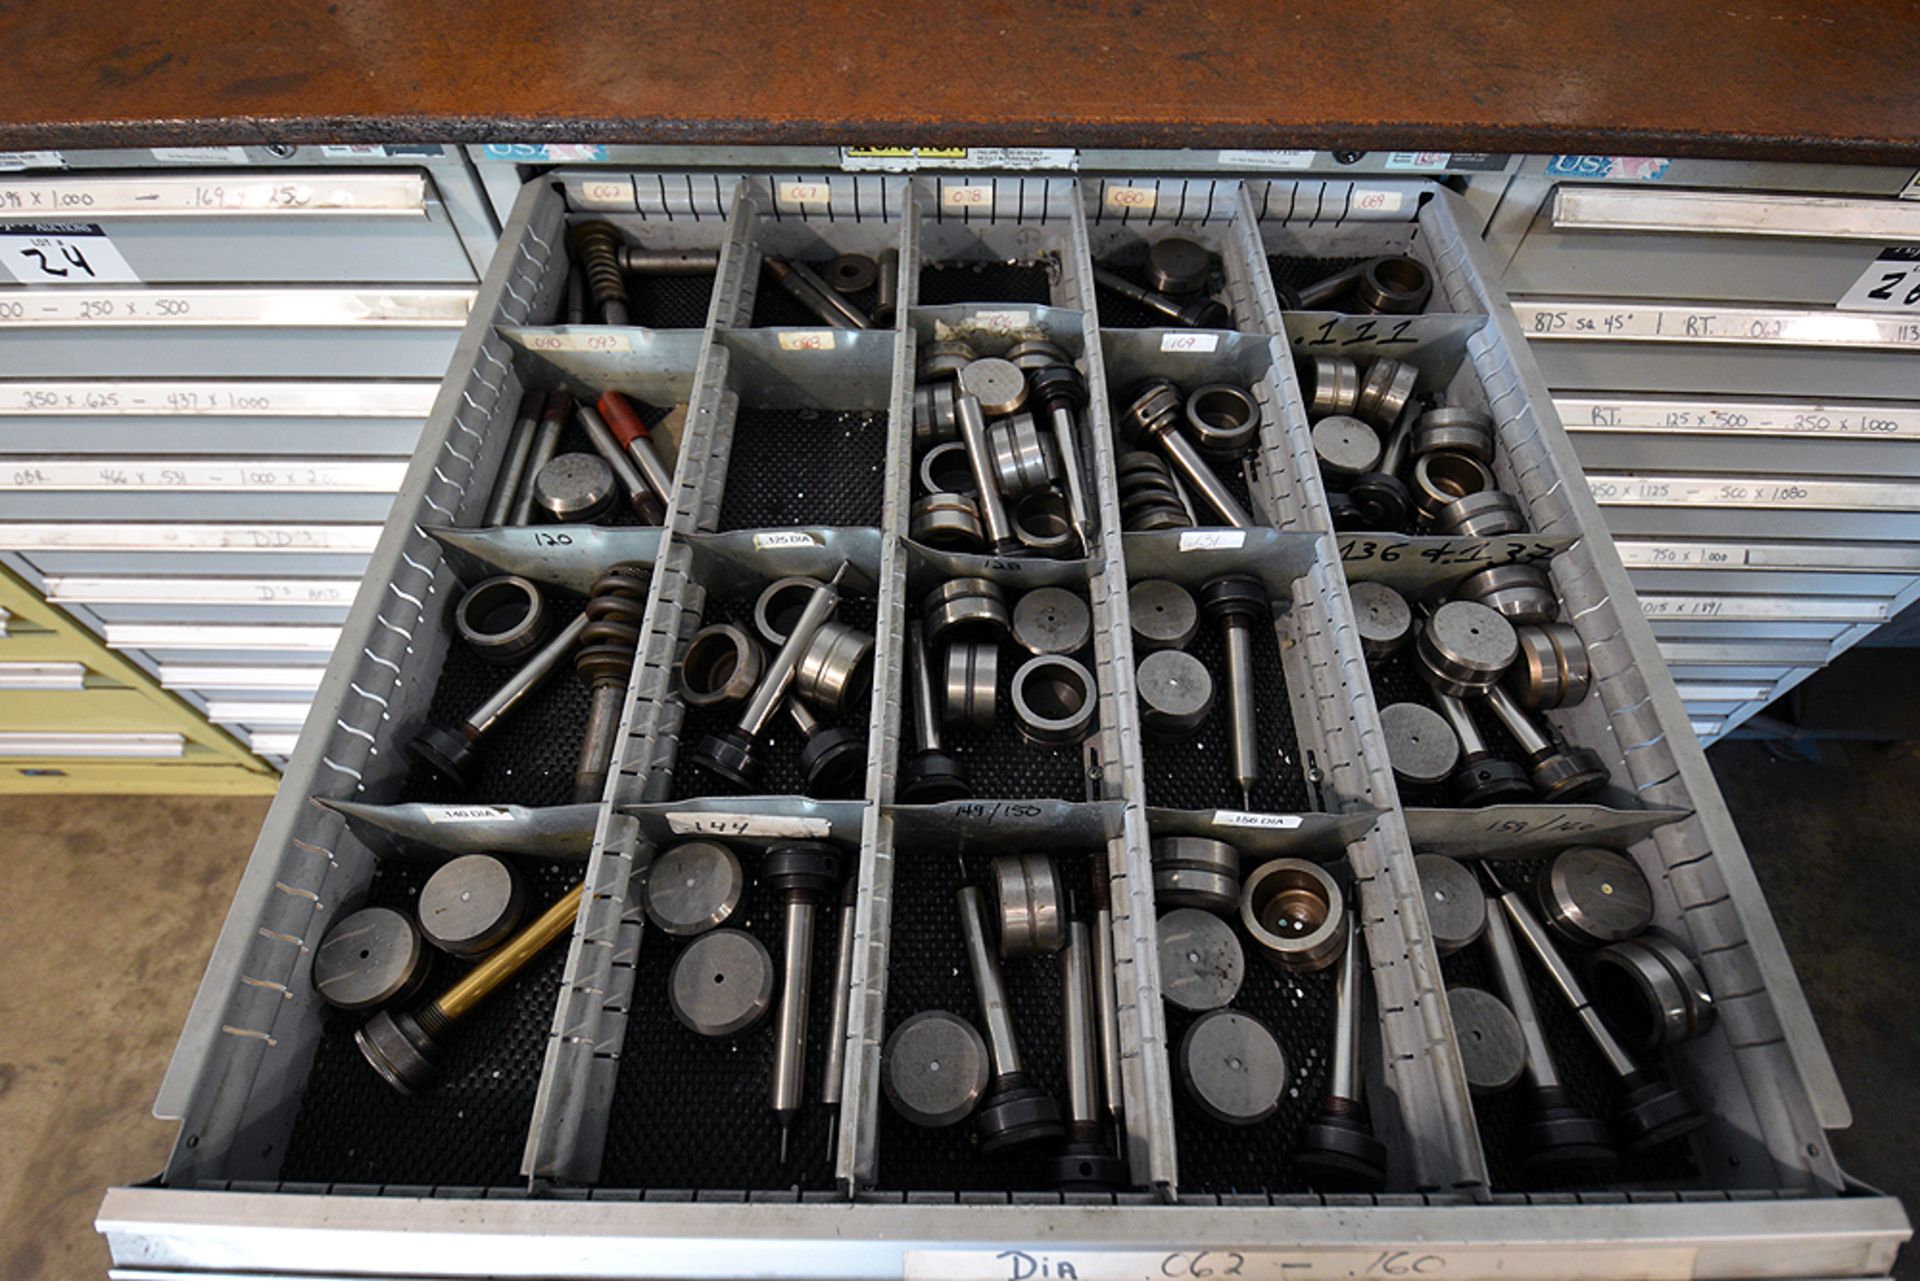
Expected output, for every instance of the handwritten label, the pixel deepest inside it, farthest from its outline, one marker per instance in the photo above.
(1784, 418)
(1200, 540)
(606, 193)
(969, 196)
(1628, 490)
(805, 193)
(1124, 198)
(1377, 200)
(425, 307)
(1387, 549)
(785, 538)
(806, 340)
(1548, 320)
(286, 475)
(577, 340)
(686, 823)
(466, 814)
(219, 399)
(1509, 824)
(156, 194)
(1242, 818)
(59, 253)
(1000, 322)
(1314, 330)
(988, 811)
(1324, 1263)
(1891, 282)
(1189, 342)
(1232, 159)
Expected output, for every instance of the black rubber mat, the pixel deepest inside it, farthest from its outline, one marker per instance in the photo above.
(694, 1112)
(1294, 272)
(774, 307)
(805, 467)
(927, 970)
(671, 302)
(951, 282)
(1590, 1085)
(783, 740)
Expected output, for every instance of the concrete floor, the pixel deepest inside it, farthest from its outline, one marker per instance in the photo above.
(115, 904)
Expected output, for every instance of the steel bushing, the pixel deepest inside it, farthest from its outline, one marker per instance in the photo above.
(575, 489)
(779, 606)
(1487, 514)
(1421, 747)
(470, 905)
(370, 958)
(1465, 648)
(1027, 905)
(1222, 420)
(1163, 615)
(503, 619)
(934, 1069)
(1178, 268)
(1335, 386)
(1518, 593)
(965, 607)
(947, 522)
(1022, 459)
(1456, 905)
(1030, 354)
(1043, 521)
(972, 684)
(1292, 911)
(1232, 1068)
(944, 359)
(1442, 478)
(1345, 448)
(1201, 962)
(722, 666)
(721, 984)
(832, 672)
(1593, 896)
(1649, 992)
(851, 273)
(1455, 427)
(1052, 620)
(1384, 618)
(944, 469)
(1176, 693)
(693, 887)
(1148, 498)
(1385, 391)
(936, 416)
(1054, 699)
(1196, 871)
(1552, 670)
(1393, 286)
(999, 385)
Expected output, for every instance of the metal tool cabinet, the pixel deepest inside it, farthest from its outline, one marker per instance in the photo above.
(196, 464)
(564, 1144)
(1750, 444)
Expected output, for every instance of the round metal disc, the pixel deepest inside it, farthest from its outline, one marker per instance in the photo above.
(722, 984)
(997, 384)
(1385, 619)
(1346, 447)
(470, 903)
(850, 273)
(1232, 1068)
(693, 887)
(1201, 964)
(1456, 905)
(1473, 635)
(934, 1068)
(1492, 1050)
(1163, 613)
(368, 958)
(1052, 620)
(1178, 268)
(1421, 746)
(574, 487)
(1176, 692)
(1595, 896)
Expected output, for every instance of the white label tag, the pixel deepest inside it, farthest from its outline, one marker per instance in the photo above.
(806, 340)
(606, 193)
(1212, 539)
(14, 160)
(1891, 282)
(466, 814)
(785, 538)
(1418, 159)
(200, 155)
(1132, 197)
(62, 253)
(970, 196)
(583, 340)
(1023, 158)
(908, 159)
(1241, 818)
(1267, 159)
(1189, 342)
(683, 823)
(1323, 1263)
(1375, 200)
(1001, 321)
(805, 193)
(354, 151)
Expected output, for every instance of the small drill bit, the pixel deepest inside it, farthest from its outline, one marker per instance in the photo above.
(786, 1132)
(1246, 796)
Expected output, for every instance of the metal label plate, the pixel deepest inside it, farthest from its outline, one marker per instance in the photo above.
(1548, 320)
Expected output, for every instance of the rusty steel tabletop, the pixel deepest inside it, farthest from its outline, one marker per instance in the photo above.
(1808, 80)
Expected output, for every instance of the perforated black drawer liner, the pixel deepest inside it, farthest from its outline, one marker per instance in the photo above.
(805, 467)
(947, 282)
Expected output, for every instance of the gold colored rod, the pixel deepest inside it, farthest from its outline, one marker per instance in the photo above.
(510, 958)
